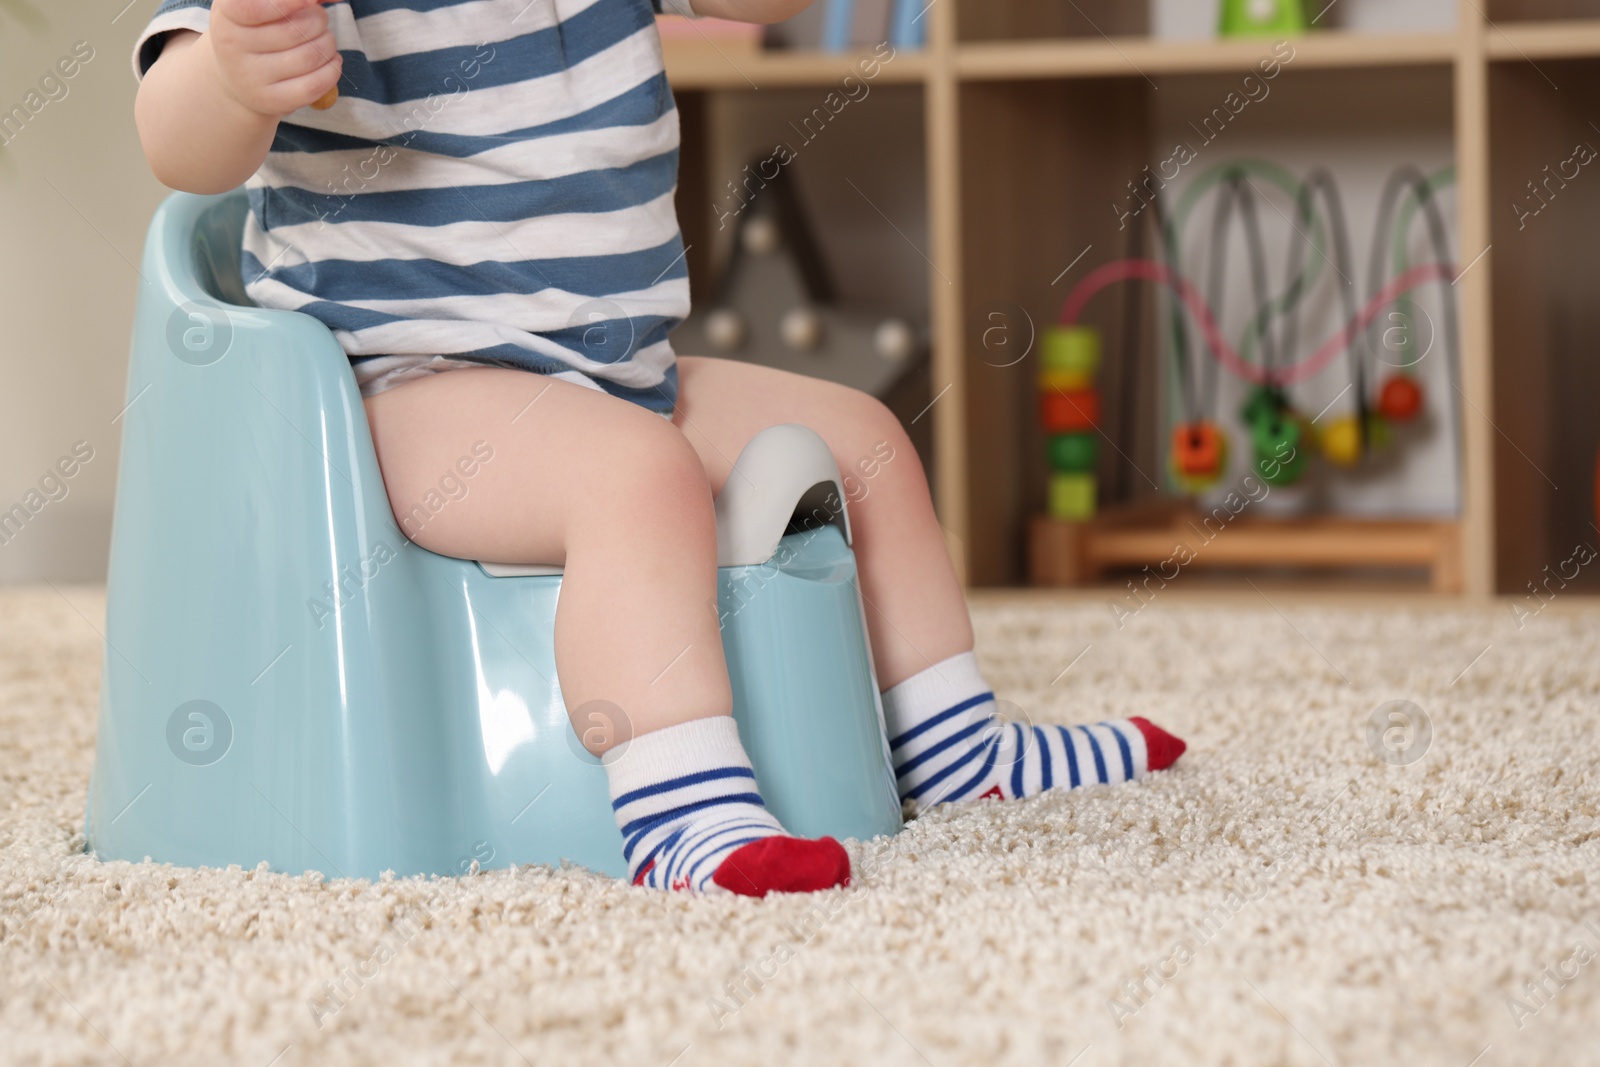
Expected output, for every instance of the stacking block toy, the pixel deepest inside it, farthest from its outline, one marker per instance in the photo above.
(1069, 411)
(1070, 350)
(1074, 453)
(1072, 496)
(287, 678)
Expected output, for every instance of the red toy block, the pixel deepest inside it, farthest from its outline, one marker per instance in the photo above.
(1069, 412)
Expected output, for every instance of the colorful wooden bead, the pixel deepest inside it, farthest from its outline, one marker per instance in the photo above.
(1278, 435)
(1282, 448)
(1074, 349)
(1074, 453)
(1265, 402)
(1281, 472)
(1069, 412)
(1190, 484)
(1342, 442)
(1400, 399)
(1072, 496)
(1199, 448)
(1195, 482)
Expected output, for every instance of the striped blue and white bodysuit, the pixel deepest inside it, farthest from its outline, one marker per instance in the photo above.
(494, 187)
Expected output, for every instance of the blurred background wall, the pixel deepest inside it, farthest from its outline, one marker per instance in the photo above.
(75, 196)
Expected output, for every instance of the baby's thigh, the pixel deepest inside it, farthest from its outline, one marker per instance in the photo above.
(723, 403)
(497, 464)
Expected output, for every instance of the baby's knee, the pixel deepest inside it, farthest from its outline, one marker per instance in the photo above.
(875, 438)
(657, 467)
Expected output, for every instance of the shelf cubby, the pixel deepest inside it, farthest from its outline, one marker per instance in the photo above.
(1545, 212)
(1082, 139)
(1031, 20)
(874, 259)
(1048, 224)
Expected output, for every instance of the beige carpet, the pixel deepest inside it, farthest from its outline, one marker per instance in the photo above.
(1308, 903)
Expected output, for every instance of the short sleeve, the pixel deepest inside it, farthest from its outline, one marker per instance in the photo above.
(674, 7)
(170, 16)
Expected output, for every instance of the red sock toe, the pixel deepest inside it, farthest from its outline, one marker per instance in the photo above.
(784, 865)
(1164, 749)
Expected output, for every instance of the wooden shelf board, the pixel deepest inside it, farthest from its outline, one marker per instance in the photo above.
(1141, 56)
(1175, 536)
(704, 65)
(1574, 38)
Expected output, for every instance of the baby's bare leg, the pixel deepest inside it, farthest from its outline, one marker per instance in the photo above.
(946, 736)
(619, 497)
(916, 612)
(607, 489)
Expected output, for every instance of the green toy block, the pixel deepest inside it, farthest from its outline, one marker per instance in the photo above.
(1073, 453)
(1072, 496)
(1257, 18)
(1070, 349)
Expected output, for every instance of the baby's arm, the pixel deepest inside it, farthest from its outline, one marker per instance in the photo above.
(742, 10)
(209, 106)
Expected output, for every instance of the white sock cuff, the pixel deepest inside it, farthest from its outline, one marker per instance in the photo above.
(928, 692)
(687, 748)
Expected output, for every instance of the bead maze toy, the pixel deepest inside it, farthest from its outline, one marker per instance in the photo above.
(287, 679)
(1281, 441)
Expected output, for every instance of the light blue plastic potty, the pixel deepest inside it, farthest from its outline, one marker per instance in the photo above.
(288, 679)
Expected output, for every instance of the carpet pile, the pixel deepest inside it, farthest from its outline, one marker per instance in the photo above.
(1309, 885)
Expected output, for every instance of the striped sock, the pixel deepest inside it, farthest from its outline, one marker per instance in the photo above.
(691, 817)
(949, 743)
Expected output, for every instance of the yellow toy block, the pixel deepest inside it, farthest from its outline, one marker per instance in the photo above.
(1072, 496)
(1073, 349)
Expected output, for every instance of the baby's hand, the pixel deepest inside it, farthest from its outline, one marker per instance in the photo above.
(274, 56)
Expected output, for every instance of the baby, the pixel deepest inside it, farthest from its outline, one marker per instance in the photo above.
(484, 218)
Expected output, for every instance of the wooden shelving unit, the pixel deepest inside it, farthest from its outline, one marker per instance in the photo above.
(1567, 39)
(1035, 115)
(1163, 541)
(695, 66)
(1099, 58)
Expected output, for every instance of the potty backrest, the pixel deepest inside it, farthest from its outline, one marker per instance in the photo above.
(217, 232)
(263, 606)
